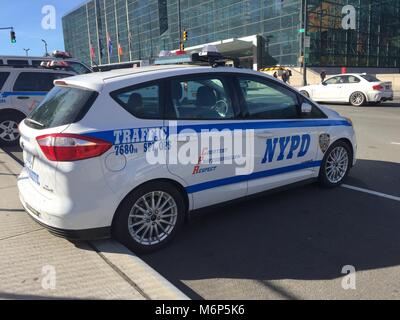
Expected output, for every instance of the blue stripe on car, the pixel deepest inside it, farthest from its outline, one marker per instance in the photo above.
(22, 93)
(109, 135)
(253, 176)
(266, 125)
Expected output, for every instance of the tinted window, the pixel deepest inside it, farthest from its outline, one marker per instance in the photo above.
(37, 81)
(268, 100)
(142, 102)
(370, 78)
(18, 62)
(62, 106)
(3, 78)
(202, 97)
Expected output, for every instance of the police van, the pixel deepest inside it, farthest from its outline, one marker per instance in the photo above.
(129, 153)
(21, 90)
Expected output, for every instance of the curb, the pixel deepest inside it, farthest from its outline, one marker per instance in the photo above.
(147, 281)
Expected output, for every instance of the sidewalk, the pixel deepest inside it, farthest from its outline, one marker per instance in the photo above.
(37, 265)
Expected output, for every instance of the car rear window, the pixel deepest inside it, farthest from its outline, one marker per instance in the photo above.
(370, 78)
(3, 78)
(62, 105)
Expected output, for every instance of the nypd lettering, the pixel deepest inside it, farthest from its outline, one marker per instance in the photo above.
(278, 149)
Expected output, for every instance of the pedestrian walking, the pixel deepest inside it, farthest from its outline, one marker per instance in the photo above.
(289, 75)
(323, 75)
(284, 76)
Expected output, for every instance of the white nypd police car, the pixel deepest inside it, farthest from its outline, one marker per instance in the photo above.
(124, 154)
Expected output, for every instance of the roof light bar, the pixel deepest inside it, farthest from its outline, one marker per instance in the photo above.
(209, 56)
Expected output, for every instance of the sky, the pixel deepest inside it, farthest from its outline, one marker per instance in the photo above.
(26, 18)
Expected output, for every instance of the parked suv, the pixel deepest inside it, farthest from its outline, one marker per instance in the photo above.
(21, 90)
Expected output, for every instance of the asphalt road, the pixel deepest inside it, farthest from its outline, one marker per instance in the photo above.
(294, 244)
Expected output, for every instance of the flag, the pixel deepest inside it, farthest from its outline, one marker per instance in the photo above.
(92, 52)
(120, 50)
(109, 45)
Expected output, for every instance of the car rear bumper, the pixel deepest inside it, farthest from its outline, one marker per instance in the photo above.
(83, 234)
(377, 96)
(64, 217)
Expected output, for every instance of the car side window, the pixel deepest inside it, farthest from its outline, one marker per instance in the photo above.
(140, 101)
(37, 81)
(352, 79)
(3, 78)
(334, 80)
(268, 100)
(200, 97)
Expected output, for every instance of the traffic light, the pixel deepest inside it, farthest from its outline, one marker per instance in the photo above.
(185, 35)
(13, 37)
(181, 47)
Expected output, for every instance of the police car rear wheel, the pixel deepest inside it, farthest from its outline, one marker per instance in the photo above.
(336, 165)
(150, 217)
(9, 133)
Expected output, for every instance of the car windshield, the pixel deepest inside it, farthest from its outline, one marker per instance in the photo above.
(62, 105)
(370, 78)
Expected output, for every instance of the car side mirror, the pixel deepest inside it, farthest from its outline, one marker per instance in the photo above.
(324, 84)
(306, 108)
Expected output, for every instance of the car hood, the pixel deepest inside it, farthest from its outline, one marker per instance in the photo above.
(330, 112)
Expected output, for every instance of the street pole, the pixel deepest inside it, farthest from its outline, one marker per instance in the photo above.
(304, 43)
(45, 47)
(26, 51)
(179, 24)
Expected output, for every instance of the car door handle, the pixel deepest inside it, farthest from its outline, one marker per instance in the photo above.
(264, 134)
(22, 98)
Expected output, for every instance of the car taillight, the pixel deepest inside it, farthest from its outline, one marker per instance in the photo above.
(71, 147)
(377, 87)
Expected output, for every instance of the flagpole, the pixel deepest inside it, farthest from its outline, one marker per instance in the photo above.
(108, 36)
(97, 32)
(129, 31)
(89, 41)
(116, 28)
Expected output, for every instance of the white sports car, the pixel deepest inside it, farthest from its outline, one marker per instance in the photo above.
(354, 88)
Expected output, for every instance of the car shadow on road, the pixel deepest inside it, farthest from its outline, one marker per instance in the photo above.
(305, 233)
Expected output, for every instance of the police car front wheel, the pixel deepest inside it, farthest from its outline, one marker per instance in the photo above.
(149, 217)
(335, 165)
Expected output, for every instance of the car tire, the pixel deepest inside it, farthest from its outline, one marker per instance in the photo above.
(146, 228)
(335, 165)
(9, 134)
(357, 99)
(305, 93)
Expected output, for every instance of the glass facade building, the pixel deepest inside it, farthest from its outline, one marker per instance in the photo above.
(341, 32)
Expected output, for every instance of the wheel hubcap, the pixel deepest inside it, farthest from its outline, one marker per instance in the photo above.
(152, 218)
(357, 98)
(9, 130)
(337, 164)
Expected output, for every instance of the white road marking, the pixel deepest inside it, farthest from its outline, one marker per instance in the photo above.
(375, 193)
(395, 143)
